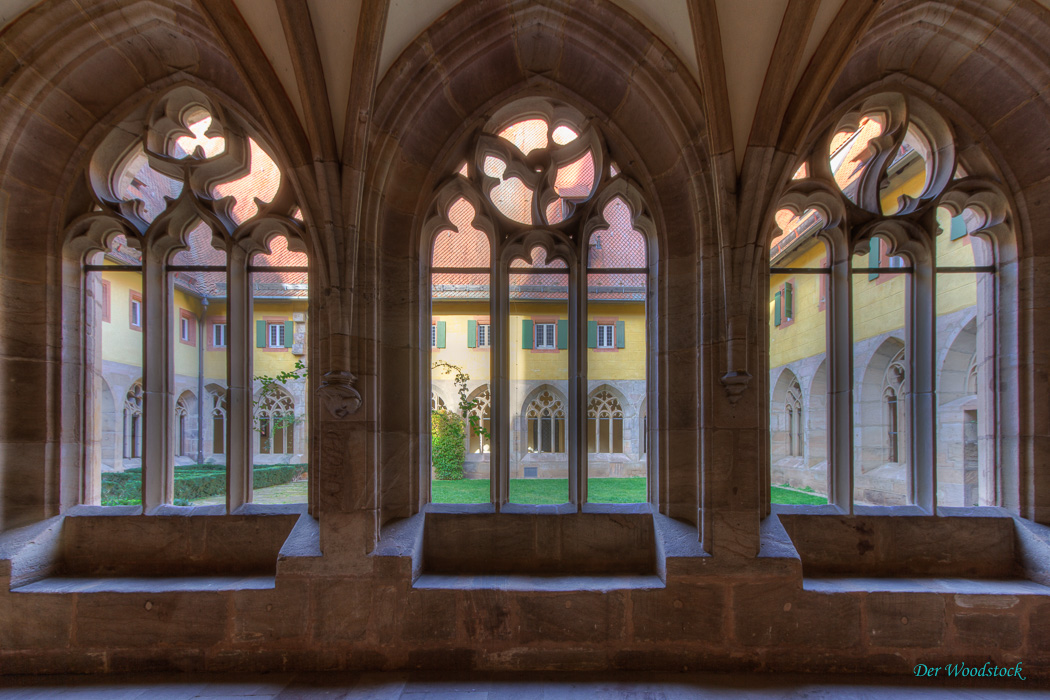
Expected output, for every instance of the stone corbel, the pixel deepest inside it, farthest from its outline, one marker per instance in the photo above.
(338, 394)
(735, 383)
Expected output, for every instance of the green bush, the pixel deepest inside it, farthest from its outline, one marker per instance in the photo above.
(446, 444)
(277, 474)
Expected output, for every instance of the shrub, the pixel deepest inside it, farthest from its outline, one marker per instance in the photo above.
(277, 474)
(446, 444)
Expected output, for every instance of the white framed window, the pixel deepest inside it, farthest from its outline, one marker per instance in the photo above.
(184, 330)
(136, 313)
(545, 339)
(606, 336)
(275, 335)
(484, 335)
(218, 335)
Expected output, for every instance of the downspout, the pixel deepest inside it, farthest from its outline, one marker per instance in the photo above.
(200, 381)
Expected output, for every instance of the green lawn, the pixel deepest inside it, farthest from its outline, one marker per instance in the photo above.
(552, 491)
(540, 491)
(294, 492)
(792, 497)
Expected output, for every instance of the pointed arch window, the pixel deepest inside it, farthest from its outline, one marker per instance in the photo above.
(537, 234)
(795, 425)
(218, 422)
(182, 198)
(910, 292)
(481, 411)
(133, 422)
(546, 423)
(275, 422)
(604, 423)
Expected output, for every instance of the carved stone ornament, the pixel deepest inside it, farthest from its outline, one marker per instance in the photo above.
(735, 383)
(338, 394)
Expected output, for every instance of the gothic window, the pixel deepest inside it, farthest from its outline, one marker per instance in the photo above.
(912, 232)
(480, 409)
(893, 392)
(180, 427)
(133, 422)
(546, 423)
(892, 434)
(218, 420)
(183, 201)
(604, 423)
(540, 236)
(794, 408)
(275, 420)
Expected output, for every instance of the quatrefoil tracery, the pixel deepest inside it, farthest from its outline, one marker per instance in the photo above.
(884, 170)
(176, 164)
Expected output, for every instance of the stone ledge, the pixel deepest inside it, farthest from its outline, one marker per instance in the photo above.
(139, 584)
(949, 585)
(538, 584)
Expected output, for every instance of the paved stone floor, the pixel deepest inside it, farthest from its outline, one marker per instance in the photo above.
(523, 686)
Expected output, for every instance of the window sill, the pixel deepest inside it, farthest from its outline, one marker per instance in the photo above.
(170, 510)
(924, 584)
(147, 584)
(538, 583)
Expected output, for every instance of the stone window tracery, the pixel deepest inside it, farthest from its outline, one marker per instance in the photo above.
(482, 411)
(900, 246)
(536, 231)
(183, 200)
(133, 422)
(604, 423)
(546, 424)
(275, 422)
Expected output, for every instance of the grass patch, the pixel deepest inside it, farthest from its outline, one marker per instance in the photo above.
(791, 497)
(539, 491)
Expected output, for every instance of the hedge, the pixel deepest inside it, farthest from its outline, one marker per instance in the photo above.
(192, 482)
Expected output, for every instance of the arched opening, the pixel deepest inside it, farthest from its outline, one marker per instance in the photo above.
(881, 444)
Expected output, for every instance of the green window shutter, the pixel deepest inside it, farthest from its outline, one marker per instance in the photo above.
(592, 334)
(789, 309)
(289, 334)
(260, 334)
(958, 229)
(441, 334)
(621, 334)
(873, 257)
(776, 309)
(526, 334)
(563, 335)
(472, 334)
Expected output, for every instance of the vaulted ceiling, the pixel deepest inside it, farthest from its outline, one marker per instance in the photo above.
(748, 31)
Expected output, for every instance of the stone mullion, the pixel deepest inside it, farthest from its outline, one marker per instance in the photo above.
(921, 352)
(89, 297)
(239, 353)
(840, 382)
(989, 458)
(158, 460)
(577, 386)
(581, 378)
(499, 459)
